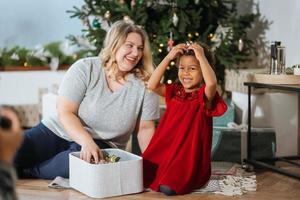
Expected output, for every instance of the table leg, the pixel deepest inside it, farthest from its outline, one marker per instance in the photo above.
(249, 153)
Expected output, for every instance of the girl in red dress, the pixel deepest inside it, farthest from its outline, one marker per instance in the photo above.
(178, 158)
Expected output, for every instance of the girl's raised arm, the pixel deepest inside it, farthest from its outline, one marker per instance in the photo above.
(154, 83)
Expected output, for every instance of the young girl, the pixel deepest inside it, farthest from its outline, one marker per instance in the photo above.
(177, 160)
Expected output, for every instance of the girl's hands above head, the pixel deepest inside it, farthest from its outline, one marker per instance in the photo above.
(90, 152)
(175, 51)
(198, 50)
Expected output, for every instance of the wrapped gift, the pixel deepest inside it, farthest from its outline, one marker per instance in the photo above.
(227, 117)
(230, 144)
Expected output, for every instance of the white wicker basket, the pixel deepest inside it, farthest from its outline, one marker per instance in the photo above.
(107, 180)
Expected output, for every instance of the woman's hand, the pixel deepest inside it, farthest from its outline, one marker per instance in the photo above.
(175, 51)
(90, 152)
(67, 113)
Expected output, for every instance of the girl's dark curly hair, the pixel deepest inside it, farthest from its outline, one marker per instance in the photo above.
(208, 54)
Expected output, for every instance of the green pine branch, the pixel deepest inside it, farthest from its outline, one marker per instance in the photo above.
(197, 21)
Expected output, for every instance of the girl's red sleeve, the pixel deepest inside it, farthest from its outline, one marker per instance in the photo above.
(218, 106)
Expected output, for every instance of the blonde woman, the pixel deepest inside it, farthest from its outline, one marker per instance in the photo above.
(102, 100)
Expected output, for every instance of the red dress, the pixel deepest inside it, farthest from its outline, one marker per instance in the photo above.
(179, 153)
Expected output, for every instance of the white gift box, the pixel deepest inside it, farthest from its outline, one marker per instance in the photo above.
(107, 180)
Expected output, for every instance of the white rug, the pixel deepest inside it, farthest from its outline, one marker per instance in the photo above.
(229, 179)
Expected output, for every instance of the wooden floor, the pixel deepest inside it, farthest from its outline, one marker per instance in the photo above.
(271, 186)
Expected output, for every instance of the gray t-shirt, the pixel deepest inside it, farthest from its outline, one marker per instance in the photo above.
(110, 116)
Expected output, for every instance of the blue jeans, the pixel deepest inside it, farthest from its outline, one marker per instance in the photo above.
(45, 155)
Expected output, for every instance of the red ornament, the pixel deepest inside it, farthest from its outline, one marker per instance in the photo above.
(170, 44)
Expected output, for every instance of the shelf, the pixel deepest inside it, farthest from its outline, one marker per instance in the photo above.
(277, 79)
(30, 68)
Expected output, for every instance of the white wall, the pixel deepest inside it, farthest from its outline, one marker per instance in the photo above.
(32, 22)
(29, 23)
(285, 15)
(277, 110)
(19, 88)
(283, 108)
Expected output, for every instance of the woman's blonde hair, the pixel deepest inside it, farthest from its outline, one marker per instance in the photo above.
(114, 39)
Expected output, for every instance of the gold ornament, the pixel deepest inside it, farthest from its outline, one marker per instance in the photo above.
(196, 34)
(241, 45)
(169, 81)
(172, 63)
(112, 158)
(107, 15)
(188, 43)
(168, 68)
(161, 45)
(75, 56)
(210, 36)
(175, 19)
(215, 3)
(190, 35)
(159, 50)
(127, 19)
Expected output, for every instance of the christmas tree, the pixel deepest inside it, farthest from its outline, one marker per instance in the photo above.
(213, 22)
